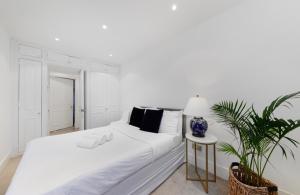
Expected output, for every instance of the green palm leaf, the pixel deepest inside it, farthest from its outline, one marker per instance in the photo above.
(269, 110)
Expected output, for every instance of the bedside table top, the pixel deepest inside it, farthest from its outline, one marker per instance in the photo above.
(208, 139)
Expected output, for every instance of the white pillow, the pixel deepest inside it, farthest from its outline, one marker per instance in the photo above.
(126, 116)
(180, 124)
(171, 122)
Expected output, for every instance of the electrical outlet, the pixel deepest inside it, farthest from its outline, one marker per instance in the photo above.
(199, 148)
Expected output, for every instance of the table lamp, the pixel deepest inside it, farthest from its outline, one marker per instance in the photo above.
(197, 107)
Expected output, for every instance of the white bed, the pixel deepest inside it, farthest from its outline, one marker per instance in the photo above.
(134, 162)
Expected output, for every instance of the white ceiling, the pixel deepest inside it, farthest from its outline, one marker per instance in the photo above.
(133, 25)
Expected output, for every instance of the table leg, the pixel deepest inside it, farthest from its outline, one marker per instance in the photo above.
(215, 164)
(187, 159)
(196, 163)
(206, 171)
(205, 180)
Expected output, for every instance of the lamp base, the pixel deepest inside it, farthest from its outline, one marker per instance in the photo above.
(199, 127)
(198, 135)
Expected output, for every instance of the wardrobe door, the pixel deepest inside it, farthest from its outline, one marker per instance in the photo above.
(113, 98)
(97, 91)
(30, 101)
(82, 100)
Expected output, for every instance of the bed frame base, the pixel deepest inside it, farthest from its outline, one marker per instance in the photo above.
(152, 176)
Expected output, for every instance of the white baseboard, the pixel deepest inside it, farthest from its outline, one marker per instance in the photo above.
(222, 172)
(283, 192)
(17, 154)
(4, 162)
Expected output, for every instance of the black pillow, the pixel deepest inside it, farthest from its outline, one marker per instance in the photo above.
(151, 121)
(136, 117)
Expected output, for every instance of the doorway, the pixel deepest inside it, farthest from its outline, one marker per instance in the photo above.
(64, 100)
(61, 105)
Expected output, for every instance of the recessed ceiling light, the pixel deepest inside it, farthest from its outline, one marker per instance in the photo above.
(110, 55)
(56, 39)
(104, 27)
(174, 7)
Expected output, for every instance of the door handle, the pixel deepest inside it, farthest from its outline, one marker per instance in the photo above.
(83, 110)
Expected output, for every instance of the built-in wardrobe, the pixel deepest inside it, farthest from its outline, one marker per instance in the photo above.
(100, 103)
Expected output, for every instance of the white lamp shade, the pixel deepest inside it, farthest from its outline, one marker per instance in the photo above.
(197, 107)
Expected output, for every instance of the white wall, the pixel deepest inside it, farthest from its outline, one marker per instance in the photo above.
(5, 97)
(250, 52)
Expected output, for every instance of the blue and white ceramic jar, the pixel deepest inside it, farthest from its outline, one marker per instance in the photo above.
(199, 127)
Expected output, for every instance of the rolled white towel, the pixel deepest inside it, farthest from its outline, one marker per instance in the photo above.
(109, 136)
(101, 138)
(88, 143)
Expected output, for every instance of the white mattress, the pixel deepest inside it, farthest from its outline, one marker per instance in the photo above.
(55, 165)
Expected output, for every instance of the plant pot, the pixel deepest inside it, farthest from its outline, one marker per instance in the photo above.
(237, 187)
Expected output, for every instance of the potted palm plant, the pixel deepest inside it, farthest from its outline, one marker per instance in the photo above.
(256, 136)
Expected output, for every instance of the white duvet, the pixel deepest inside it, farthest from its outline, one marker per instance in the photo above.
(55, 165)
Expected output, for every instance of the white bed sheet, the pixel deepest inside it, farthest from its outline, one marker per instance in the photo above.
(55, 165)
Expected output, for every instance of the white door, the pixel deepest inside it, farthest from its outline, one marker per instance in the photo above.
(97, 93)
(82, 99)
(113, 98)
(61, 103)
(103, 99)
(30, 101)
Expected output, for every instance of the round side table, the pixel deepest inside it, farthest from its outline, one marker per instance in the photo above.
(208, 140)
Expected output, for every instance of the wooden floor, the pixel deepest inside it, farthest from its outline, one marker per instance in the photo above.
(7, 174)
(174, 185)
(63, 131)
(178, 185)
